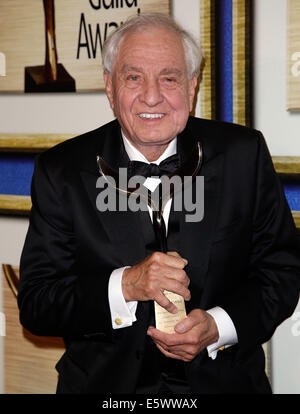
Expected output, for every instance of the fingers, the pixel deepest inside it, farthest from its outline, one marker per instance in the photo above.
(176, 353)
(175, 260)
(192, 334)
(169, 354)
(174, 345)
(168, 340)
(174, 254)
(157, 293)
(166, 298)
(164, 302)
(172, 278)
(186, 324)
(148, 279)
(171, 265)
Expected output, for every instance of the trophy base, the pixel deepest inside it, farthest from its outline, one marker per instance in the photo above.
(166, 321)
(36, 80)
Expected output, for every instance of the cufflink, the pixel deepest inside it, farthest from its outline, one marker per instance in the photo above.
(118, 321)
(221, 348)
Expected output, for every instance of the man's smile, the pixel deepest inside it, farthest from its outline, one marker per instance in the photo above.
(146, 115)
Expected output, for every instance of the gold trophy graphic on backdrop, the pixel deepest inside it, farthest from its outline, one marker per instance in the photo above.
(51, 77)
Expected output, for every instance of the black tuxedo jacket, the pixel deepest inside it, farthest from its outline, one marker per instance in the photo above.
(243, 256)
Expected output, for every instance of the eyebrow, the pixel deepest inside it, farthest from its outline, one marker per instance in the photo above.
(171, 71)
(126, 68)
(165, 71)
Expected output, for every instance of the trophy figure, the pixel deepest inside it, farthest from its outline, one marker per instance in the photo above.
(51, 77)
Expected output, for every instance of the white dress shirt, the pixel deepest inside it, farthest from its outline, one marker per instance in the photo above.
(122, 312)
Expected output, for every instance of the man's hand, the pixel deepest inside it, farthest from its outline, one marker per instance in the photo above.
(160, 271)
(192, 335)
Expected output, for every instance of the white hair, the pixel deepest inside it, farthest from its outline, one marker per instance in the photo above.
(193, 54)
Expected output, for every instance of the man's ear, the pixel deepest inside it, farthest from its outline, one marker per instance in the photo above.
(192, 89)
(109, 88)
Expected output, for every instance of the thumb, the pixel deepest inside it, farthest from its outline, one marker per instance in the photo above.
(184, 326)
(188, 323)
(173, 253)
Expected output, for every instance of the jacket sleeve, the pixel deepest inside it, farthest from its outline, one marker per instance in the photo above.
(54, 298)
(270, 291)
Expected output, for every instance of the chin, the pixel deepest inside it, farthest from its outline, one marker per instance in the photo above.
(153, 142)
(155, 139)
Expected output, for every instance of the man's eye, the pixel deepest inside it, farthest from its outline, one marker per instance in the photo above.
(169, 81)
(133, 78)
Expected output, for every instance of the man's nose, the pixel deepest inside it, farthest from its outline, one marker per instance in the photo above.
(151, 93)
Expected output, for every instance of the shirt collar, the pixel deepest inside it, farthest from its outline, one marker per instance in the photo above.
(135, 155)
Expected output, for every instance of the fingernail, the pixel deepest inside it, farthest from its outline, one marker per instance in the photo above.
(175, 310)
(180, 328)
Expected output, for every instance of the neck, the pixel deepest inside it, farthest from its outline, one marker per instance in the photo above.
(152, 153)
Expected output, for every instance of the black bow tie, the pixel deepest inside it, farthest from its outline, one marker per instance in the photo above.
(166, 167)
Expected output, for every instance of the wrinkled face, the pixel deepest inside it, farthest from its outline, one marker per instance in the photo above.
(149, 89)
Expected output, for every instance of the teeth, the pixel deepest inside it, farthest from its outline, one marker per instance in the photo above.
(151, 116)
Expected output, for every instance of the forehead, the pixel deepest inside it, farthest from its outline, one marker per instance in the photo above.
(154, 47)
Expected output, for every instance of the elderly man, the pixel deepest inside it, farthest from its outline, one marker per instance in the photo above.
(91, 276)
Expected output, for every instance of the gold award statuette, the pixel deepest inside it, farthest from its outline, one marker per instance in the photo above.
(165, 321)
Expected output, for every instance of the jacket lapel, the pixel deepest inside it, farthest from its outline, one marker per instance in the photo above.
(194, 239)
(122, 227)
